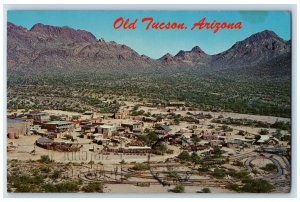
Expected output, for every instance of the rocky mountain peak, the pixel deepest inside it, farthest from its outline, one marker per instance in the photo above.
(197, 49)
(64, 32)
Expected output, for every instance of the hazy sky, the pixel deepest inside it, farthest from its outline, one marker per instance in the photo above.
(156, 43)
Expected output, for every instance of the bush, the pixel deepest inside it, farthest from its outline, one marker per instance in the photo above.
(178, 189)
(234, 187)
(68, 137)
(206, 190)
(93, 187)
(55, 118)
(45, 169)
(173, 174)
(269, 167)
(170, 151)
(219, 173)
(217, 152)
(257, 186)
(203, 169)
(195, 158)
(63, 187)
(241, 132)
(141, 166)
(242, 175)
(45, 159)
(263, 132)
(184, 156)
(238, 163)
(161, 148)
(26, 183)
(281, 125)
(56, 174)
(226, 128)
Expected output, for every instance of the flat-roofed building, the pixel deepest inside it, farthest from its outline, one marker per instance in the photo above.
(121, 114)
(58, 126)
(17, 127)
(39, 117)
(132, 126)
(106, 130)
(176, 104)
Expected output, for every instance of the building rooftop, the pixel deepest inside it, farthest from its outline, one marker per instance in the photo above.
(44, 140)
(106, 126)
(88, 113)
(38, 113)
(18, 120)
(165, 127)
(58, 123)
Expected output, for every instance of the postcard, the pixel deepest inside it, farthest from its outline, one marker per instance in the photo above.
(147, 101)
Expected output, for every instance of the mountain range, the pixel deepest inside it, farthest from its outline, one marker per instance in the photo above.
(45, 46)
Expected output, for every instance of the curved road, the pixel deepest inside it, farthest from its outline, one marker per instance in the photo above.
(280, 168)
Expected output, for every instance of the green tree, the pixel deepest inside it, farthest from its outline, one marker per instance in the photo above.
(217, 152)
(162, 148)
(184, 156)
(195, 158)
(152, 136)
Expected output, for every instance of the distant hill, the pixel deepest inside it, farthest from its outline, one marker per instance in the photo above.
(65, 48)
(196, 56)
(258, 48)
(45, 46)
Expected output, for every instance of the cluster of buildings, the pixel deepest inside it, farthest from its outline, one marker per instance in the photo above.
(120, 130)
(35, 122)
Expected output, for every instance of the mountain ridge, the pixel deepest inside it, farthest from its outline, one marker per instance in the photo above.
(54, 46)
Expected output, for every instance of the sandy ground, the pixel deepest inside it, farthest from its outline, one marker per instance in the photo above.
(59, 112)
(118, 188)
(26, 145)
(261, 162)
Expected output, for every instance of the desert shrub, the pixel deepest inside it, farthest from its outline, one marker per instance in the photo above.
(45, 169)
(141, 166)
(178, 189)
(206, 190)
(219, 173)
(257, 186)
(93, 187)
(269, 167)
(184, 156)
(64, 187)
(45, 159)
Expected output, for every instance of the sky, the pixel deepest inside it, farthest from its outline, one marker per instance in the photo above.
(156, 43)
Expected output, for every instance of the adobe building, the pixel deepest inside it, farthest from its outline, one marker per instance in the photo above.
(39, 117)
(58, 126)
(18, 127)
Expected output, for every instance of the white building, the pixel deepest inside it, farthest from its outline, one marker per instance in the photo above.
(106, 130)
